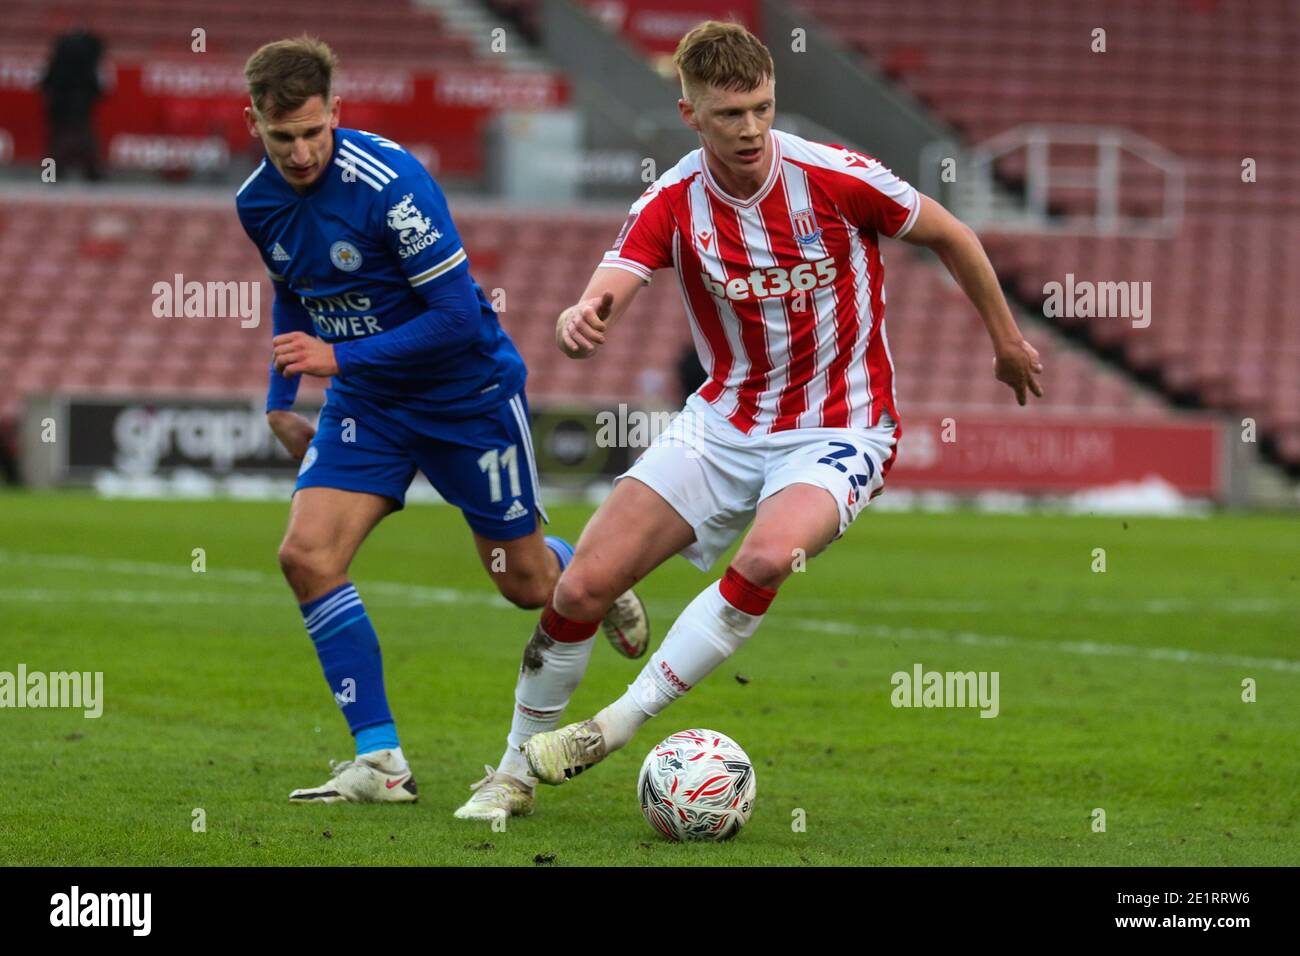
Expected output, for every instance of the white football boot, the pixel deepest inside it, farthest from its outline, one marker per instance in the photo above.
(497, 796)
(557, 755)
(375, 777)
(627, 626)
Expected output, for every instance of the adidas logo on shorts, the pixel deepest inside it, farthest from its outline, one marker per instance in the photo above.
(516, 510)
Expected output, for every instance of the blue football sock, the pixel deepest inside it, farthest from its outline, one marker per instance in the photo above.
(378, 737)
(563, 550)
(348, 649)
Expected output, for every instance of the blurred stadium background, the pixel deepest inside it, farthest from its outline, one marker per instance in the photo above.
(1169, 158)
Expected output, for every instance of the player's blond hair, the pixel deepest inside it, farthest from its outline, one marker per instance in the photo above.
(285, 74)
(722, 55)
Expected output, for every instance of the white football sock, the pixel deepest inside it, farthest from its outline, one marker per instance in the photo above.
(550, 672)
(515, 763)
(620, 721)
(705, 634)
(391, 760)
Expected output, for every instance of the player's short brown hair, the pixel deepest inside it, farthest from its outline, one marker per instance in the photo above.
(724, 55)
(285, 74)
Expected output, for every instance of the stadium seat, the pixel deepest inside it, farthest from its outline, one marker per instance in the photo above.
(930, 324)
(1214, 82)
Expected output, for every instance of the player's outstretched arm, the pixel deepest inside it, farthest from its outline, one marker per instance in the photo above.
(1016, 362)
(581, 328)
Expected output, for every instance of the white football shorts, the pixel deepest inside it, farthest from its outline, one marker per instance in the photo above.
(714, 475)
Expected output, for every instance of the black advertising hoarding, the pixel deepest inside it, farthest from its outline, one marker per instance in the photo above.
(80, 439)
(73, 439)
(151, 437)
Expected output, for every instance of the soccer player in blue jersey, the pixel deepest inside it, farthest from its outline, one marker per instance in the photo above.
(373, 289)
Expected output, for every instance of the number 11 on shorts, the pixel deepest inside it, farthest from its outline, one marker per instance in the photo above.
(492, 462)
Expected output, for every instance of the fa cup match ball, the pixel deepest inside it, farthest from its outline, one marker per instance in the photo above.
(697, 785)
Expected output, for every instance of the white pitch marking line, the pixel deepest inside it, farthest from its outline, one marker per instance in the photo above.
(181, 570)
(1087, 648)
(1262, 605)
(419, 595)
(1255, 605)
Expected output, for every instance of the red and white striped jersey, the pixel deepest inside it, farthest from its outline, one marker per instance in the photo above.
(785, 291)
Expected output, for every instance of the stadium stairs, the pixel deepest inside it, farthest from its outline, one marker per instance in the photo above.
(1212, 80)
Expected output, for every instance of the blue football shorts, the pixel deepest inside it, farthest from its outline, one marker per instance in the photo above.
(484, 465)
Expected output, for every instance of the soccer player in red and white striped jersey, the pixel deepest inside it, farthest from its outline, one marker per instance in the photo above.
(785, 288)
(775, 244)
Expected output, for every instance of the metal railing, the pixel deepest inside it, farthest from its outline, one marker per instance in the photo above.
(967, 180)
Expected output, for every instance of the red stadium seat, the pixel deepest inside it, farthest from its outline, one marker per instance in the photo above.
(1213, 82)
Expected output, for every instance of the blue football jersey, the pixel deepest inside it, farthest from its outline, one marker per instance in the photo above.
(369, 247)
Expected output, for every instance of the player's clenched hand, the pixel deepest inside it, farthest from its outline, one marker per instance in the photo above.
(294, 431)
(297, 353)
(1016, 365)
(581, 329)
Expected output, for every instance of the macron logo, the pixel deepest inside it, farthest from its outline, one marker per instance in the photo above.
(103, 909)
(278, 254)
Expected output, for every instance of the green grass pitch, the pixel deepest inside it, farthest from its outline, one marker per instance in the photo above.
(1119, 690)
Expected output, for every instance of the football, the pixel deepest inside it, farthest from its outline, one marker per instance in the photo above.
(697, 785)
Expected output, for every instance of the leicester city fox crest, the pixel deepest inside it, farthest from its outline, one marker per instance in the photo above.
(414, 229)
(345, 256)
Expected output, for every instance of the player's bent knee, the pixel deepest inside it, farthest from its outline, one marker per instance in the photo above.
(581, 596)
(528, 593)
(308, 570)
(766, 565)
